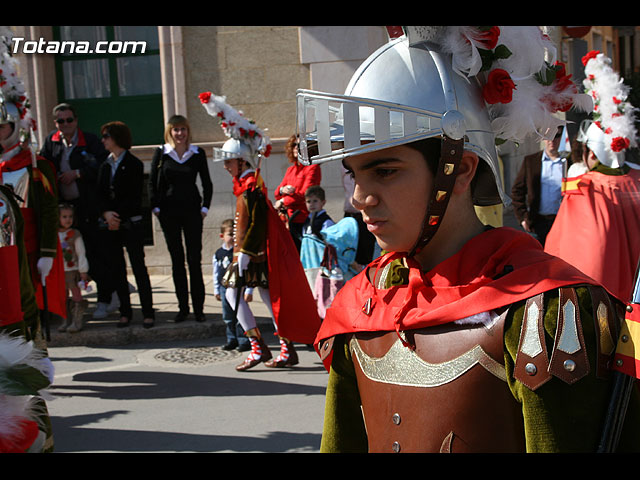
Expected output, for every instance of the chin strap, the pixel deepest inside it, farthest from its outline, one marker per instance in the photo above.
(445, 178)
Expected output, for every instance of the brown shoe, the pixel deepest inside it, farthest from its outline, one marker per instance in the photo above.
(279, 362)
(257, 345)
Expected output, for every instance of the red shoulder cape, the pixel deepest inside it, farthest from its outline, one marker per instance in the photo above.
(597, 229)
(494, 269)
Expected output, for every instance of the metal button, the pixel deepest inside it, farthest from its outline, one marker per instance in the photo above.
(396, 419)
(395, 447)
(569, 365)
(531, 369)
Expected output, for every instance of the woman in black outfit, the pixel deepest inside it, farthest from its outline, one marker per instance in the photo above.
(120, 184)
(176, 200)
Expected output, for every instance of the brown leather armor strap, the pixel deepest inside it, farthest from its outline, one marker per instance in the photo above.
(532, 359)
(607, 331)
(450, 157)
(569, 360)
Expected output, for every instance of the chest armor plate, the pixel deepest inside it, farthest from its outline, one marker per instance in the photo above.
(449, 395)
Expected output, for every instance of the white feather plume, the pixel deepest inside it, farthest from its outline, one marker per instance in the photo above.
(612, 111)
(234, 124)
(534, 103)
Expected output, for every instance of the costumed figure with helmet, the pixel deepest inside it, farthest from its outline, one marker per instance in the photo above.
(598, 224)
(461, 337)
(25, 369)
(33, 181)
(265, 256)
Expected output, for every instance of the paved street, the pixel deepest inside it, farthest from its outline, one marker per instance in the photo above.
(183, 397)
(173, 389)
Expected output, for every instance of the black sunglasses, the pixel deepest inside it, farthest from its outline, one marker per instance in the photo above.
(68, 120)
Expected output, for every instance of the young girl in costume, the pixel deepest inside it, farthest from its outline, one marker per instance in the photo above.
(76, 267)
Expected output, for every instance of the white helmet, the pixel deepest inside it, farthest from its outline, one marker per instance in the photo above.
(432, 82)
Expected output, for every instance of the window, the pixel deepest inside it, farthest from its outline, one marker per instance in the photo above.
(116, 78)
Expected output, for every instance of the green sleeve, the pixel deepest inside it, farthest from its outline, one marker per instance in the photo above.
(559, 417)
(343, 430)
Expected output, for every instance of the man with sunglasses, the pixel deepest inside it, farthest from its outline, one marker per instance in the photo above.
(76, 156)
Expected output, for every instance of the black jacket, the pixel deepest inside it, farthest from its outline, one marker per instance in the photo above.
(173, 184)
(123, 195)
(87, 156)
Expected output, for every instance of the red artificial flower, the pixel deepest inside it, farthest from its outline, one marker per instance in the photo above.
(488, 38)
(267, 151)
(592, 54)
(608, 130)
(617, 101)
(499, 87)
(22, 440)
(591, 77)
(561, 83)
(204, 97)
(619, 143)
(242, 131)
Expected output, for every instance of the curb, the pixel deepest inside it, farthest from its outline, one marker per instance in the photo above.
(106, 333)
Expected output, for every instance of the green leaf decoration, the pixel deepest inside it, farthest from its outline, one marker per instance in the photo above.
(22, 380)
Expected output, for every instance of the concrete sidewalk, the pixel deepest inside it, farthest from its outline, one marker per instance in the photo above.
(105, 332)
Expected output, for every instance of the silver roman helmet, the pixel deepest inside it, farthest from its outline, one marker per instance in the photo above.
(15, 107)
(471, 87)
(233, 148)
(400, 94)
(246, 140)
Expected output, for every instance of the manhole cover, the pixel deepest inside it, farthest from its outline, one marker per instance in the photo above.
(197, 355)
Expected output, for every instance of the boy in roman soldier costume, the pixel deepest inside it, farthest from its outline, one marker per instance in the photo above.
(597, 228)
(265, 257)
(460, 337)
(25, 368)
(32, 180)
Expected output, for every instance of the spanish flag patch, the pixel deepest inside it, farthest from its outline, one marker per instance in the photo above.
(627, 356)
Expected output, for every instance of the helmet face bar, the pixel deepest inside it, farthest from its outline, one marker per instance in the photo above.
(340, 126)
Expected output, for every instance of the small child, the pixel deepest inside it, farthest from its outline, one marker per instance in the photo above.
(221, 260)
(318, 218)
(76, 267)
(313, 245)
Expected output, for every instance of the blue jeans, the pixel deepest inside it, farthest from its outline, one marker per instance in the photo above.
(234, 331)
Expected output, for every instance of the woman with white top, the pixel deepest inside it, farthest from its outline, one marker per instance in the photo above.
(180, 207)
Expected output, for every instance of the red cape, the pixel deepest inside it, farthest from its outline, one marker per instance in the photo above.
(470, 282)
(597, 229)
(294, 307)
